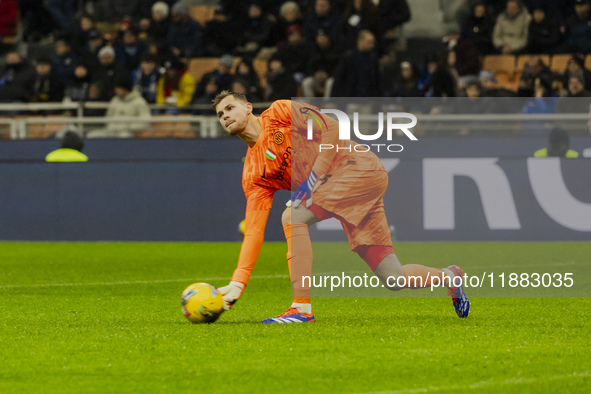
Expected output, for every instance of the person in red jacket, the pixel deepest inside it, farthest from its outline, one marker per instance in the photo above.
(8, 18)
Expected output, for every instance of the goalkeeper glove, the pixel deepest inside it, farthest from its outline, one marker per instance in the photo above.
(231, 293)
(305, 191)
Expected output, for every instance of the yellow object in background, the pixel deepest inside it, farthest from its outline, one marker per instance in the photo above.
(242, 227)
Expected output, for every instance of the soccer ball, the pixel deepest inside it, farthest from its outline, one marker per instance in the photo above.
(202, 303)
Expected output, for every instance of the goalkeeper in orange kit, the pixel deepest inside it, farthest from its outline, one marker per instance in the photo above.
(344, 184)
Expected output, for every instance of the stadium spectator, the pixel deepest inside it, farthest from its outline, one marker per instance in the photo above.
(126, 103)
(176, 87)
(289, 15)
(534, 69)
(576, 66)
(544, 102)
(37, 22)
(476, 103)
(108, 71)
(145, 78)
(358, 72)
(160, 22)
(69, 151)
(393, 14)
(559, 86)
(558, 145)
(77, 89)
(320, 68)
(359, 15)
(576, 88)
(113, 11)
(572, 104)
(405, 84)
(552, 9)
(544, 34)
(185, 34)
(324, 56)
(478, 27)
(17, 79)
(210, 90)
(511, 29)
(48, 87)
(8, 18)
(221, 75)
(62, 12)
(246, 74)
(65, 60)
(295, 53)
(445, 77)
(322, 18)
(280, 83)
(257, 31)
(467, 60)
(161, 50)
(578, 28)
(222, 34)
(239, 87)
(81, 33)
(92, 46)
(318, 85)
(131, 49)
(425, 75)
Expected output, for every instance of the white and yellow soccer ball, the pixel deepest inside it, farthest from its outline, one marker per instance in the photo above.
(202, 303)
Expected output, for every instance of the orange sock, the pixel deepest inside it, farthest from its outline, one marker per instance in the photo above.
(299, 258)
(419, 276)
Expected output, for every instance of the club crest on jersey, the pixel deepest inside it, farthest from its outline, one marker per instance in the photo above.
(270, 154)
(278, 137)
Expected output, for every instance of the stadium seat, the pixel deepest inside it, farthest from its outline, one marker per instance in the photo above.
(503, 67)
(201, 65)
(202, 14)
(523, 59)
(559, 62)
(499, 63)
(260, 66)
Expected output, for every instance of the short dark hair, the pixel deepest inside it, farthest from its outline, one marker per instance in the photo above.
(225, 93)
(72, 140)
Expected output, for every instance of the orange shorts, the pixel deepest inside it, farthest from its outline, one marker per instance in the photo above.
(355, 198)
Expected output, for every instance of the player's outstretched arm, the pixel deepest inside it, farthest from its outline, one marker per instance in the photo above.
(254, 235)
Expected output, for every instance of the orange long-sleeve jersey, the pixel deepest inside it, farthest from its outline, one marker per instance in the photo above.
(283, 158)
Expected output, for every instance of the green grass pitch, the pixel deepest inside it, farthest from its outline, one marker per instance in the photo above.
(107, 320)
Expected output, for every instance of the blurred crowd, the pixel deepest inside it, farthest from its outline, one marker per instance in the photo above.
(139, 50)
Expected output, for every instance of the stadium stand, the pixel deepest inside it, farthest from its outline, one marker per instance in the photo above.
(36, 39)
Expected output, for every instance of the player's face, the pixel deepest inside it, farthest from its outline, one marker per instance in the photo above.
(233, 114)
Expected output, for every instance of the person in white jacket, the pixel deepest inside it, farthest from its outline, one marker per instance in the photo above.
(512, 27)
(126, 103)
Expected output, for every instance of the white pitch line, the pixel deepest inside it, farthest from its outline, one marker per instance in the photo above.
(134, 282)
(486, 383)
